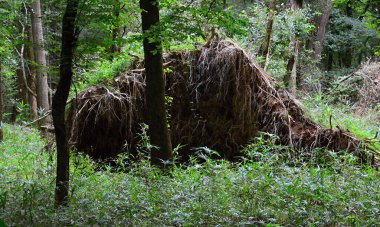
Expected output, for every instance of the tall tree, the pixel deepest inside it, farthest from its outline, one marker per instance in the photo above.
(21, 78)
(346, 56)
(69, 39)
(291, 76)
(115, 48)
(1, 105)
(155, 86)
(38, 38)
(264, 49)
(321, 22)
(32, 78)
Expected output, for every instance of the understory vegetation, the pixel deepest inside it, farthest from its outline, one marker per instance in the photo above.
(261, 190)
(361, 125)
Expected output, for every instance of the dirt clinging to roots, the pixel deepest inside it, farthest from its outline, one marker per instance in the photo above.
(220, 99)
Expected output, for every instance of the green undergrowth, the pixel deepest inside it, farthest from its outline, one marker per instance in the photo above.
(257, 191)
(363, 125)
(101, 72)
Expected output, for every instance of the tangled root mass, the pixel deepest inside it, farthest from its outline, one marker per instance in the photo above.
(220, 99)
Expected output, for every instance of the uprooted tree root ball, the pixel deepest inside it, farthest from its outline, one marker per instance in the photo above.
(220, 98)
(103, 122)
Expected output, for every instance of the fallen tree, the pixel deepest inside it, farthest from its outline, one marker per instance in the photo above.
(219, 98)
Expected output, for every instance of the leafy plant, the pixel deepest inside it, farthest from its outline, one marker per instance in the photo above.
(215, 192)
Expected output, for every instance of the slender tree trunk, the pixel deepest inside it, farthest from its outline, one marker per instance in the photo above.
(115, 48)
(289, 68)
(1, 104)
(291, 77)
(322, 22)
(38, 38)
(155, 85)
(21, 74)
(264, 49)
(347, 58)
(21, 95)
(330, 58)
(347, 55)
(22, 83)
(21, 86)
(32, 78)
(59, 102)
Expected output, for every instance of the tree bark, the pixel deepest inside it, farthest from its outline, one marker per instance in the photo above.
(21, 74)
(115, 48)
(330, 58)
(38, 38)
(322, 22)
(21, 86)
(347, 55)
(21, 95)
(264, 49)
(1, 105)
(347, 58)
(32, 78)
(291, 76)
(59, 102)
(155, 85)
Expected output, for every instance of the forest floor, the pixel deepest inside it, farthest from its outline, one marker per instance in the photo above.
(266, 189)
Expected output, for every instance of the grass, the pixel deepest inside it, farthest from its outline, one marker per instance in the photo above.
(265, 192)
(363, 125)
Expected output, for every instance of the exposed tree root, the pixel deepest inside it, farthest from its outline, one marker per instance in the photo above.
(220, 99)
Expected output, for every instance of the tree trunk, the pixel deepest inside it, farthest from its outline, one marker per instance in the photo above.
(264, 49)
(59, 102)
(21, 86)
(1, 105)
(322, 22)
(289, 68)
(330, 58)
(115, 48)
(21, 95)
(32, 78)
(155, 86)
(291, 77)
(38, 38)
(347, 55)
(347, 58)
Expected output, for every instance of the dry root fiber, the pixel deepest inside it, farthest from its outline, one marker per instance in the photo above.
(370, 88)
(103, 122)
(220, 99)
(360, 88)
